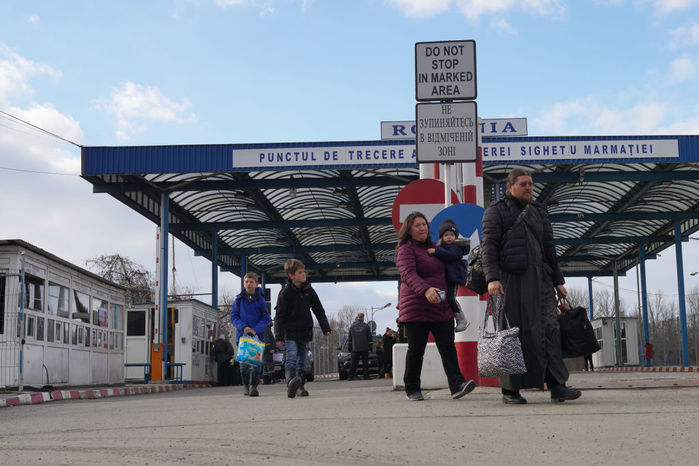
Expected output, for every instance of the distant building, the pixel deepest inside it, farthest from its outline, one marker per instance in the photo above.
(73, 321)
(605, 331)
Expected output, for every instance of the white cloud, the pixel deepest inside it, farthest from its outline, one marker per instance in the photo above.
(26, 148)
(587, 116)
(681, 69)
(264, 6)
(474, 9)
(15, 72)
(502, 25)
(33, 19)
(671, 6)
(685, 35)
(419, 8)
(133, 104)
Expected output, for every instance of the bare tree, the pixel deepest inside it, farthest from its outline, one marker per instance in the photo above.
(137, 280)
(345, 317)
(577, 297)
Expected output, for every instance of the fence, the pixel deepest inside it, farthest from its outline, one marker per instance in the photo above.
(9, 329)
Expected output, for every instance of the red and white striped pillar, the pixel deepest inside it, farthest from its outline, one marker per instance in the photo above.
(472, 305)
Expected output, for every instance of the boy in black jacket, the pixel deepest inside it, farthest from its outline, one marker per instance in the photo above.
(451, 252)
(294, 324)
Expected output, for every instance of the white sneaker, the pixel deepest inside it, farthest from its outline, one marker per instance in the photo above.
(461, 323)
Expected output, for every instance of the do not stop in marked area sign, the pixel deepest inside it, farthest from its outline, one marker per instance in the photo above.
(446, 132)
(445, 70)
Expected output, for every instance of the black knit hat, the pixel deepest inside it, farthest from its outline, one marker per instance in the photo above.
(448, 225)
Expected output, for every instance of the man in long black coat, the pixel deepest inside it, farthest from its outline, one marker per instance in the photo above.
(524, 267)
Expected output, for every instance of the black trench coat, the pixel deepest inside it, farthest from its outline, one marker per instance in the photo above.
(530, 299)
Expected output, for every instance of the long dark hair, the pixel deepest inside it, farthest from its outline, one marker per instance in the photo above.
(404, 232)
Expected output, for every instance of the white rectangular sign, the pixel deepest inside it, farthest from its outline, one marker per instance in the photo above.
(446, 132)
(445, 70)
(376, 153)
(580, 150)
(321, 156)
(488, 127)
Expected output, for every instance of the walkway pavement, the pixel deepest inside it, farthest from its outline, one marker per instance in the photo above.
(602, 379)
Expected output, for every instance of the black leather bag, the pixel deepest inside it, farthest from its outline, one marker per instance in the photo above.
(577, 336)
(475, 277)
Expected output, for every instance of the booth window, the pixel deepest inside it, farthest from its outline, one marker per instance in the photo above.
(40, 328)
(59, 333)
(136, 324)
(100, 309)
(59, 300)
(81, 310)
(30, 327)
(2, 304)
(118, 316)
(74, 334)
(33, 293)
(49, 330)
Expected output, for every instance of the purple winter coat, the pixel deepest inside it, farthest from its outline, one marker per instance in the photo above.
(418, 272)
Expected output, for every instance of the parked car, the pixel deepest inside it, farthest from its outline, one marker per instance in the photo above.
(344, 360)
(279, 365)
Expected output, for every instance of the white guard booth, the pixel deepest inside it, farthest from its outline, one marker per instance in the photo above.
(73, 321)
(605, 331)
(192, 327)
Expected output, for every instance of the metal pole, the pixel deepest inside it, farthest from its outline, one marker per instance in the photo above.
(447, 187)
(680, 293)
(644, 298)
(164, 233)
(617, 342)
(22, 297)
(214, 269)
(589, 297)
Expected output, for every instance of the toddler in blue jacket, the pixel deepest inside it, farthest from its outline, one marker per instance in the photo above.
(451, 251)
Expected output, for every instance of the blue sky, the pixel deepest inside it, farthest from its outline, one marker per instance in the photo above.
(234, 71)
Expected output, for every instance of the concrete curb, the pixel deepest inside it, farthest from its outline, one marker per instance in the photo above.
(649, 369)
(91, 394)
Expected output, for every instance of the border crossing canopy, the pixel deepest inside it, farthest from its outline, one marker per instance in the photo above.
(329, 203)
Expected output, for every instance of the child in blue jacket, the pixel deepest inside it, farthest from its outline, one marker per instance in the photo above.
(250, 317)
(451, 251)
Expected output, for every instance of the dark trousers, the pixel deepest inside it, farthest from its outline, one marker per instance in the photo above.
(355, 361)
(417, 334)
(588, 360)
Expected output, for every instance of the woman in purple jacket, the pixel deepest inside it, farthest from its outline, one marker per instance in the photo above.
(421, 309)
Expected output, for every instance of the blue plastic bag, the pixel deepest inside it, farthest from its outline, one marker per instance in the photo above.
(250, 351)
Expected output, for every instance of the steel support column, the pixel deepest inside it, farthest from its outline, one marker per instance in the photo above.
(644, 300)
(680, 293)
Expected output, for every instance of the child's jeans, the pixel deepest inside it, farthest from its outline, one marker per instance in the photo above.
(296, 355)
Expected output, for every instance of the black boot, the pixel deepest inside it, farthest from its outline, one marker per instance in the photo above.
(560, 393)
(254, 380)
(302, 390)
(246, 383)
(292, 383)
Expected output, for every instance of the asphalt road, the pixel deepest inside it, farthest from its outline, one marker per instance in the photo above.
(655, 421)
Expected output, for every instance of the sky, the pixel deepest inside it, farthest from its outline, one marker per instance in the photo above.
(252, 71)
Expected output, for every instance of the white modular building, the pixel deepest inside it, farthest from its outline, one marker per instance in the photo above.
(605, 331)
(192, 326)
(64, 327)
